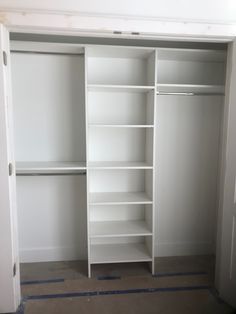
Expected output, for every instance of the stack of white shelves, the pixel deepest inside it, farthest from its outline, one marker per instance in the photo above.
(121, 91)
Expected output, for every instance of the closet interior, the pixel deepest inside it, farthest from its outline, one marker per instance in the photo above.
(117, 150)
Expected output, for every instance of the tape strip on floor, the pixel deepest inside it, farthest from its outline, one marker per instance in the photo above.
(167, 274)
(114, 292)
(39, 282)
(105, 293)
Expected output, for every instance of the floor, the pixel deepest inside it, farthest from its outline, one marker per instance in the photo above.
(180, 285)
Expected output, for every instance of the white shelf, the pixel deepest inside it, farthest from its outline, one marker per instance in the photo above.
(48, 167)
(197, 55)
(190, 88)
(119, 229)
(100, 51)
(119, 165)
(117, 88)
(117, 198)
(121, 125)
(119, 253)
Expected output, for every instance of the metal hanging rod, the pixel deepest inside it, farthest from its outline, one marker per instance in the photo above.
(175, 93)
(190, 94)
(49, 52)
(52, 174)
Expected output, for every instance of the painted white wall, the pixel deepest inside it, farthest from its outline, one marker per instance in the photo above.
(208, 10)
(226, 250)
(187, 146)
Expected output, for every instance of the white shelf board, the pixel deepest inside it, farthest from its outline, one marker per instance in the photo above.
(186, 54)
(119, 229)
(116, 198)
(48, 167)
(35, 47)
(122, 88)
(190, 88)
(119, 165)
(121, 125)
(99, 51)
(119, 253)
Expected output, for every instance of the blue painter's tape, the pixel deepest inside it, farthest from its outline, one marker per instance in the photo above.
(63, 295)
(108, 277)
(193, 273)
(114, 292)
(38, 282)
(34, 282)
(152, 290)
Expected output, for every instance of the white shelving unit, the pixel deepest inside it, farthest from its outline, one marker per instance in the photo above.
(126, 119)
(121, 120)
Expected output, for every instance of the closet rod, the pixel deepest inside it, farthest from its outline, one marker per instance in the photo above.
(190, 94)
(49, 53)
(176, 93)
(52, 174)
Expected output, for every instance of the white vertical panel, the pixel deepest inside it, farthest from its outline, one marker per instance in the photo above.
(226, 254)
(233, 253)
(87, 156)
(155, 172)
(151, 69)
(10, 290)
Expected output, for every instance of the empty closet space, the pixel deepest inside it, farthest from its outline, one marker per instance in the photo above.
(189, 104)
(50, 151)
(191, 70)
(118, 151)
(120, 115)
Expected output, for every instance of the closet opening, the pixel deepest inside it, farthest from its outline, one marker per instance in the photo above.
(118, 155)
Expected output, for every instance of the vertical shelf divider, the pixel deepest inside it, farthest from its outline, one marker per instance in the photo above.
(87, 156)
(154, 207)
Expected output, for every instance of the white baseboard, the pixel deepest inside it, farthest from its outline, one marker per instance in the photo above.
(51, 254)
(184, 248)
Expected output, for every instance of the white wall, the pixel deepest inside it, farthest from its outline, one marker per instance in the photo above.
(207, 20)
(208, 10)
(187, 146)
